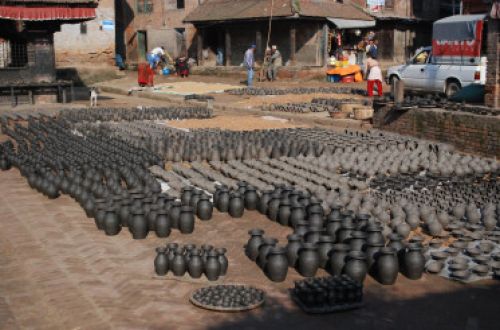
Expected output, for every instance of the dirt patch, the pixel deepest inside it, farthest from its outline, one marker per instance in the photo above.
(235, 123)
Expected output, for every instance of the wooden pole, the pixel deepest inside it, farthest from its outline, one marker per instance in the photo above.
(325, 44)
(228, 47)
(293, 44)
(258, 43)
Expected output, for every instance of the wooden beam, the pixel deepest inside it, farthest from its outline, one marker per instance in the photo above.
(199, 46)
(325, 44)
(293, 43)
(227, 42)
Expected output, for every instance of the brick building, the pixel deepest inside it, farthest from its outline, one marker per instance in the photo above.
(145, 24)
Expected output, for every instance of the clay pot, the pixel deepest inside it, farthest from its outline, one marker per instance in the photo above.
(161, 262)
(333, 226)
(112, 224)
(284, 212)
(414, 262)
(338, 256)
(273, 207)
(204, 208)
(224, 263)
(264, 249)
(277, 264)
(263, 201)
(223, 200)
(297, 214)
(186, 220)
(387, 266)
(195, 264)
(357, 240)
(175, 214)
(236, 206)
(325, 246)
(309, 261)
(374, 235)
(292, 249)
(252, 247)
(139, 225)
(162, 226)
(355, 266)
(178, 265)
(251, 198)
(344, 233)
(212, 266)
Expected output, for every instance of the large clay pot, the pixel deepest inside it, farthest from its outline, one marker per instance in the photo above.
(161, 262)
(338, 256)
(315, 218)
(357, 240)
(355, 266)
(223, 200)
(284, 212)
(195, 264)
(139, 225)
(256, 239)
(174, 214)
(333, 226)
(112, 224)
(325, 246)
(204, 208)
(236, 206)
(186, 220)
(371, 251)
(414, 262)
(292, 249)
(387, 266)
(273, 207)
(264, 249)
(178, 265)
(263, 201)
(374, 235)
(277, 264)
(212, 266)
(223, 262)
(162, 226)
(124, 212)
(251, 198)
(297, 214)
(308, 262)
(345, 232)
(186, 195)
(151, 217)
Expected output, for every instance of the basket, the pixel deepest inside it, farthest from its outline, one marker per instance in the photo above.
(363, 113)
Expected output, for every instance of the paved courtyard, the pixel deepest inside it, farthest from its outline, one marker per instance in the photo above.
(57, 271)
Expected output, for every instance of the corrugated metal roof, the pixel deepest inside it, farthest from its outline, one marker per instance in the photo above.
(227, 10)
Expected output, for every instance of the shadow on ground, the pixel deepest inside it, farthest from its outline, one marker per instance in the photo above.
(475, 307)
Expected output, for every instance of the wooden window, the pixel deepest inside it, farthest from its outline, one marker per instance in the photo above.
(13, 54)
(389, 4)
(180, 4)
(145, 6)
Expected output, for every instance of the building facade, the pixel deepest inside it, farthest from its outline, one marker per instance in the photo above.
(146, 24)
(91, 42)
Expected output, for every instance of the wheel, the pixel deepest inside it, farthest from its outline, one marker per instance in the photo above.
(452, 87)
(392, 83)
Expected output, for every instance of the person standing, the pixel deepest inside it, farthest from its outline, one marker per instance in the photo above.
(249, 63)
(373, 48)
(374, 75)
(275, 62)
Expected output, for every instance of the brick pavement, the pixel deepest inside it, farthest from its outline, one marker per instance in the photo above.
(57, 271)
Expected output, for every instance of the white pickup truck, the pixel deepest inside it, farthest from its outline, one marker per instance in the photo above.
(421, 73)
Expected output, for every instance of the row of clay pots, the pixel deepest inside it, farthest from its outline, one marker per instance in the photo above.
(209, 261)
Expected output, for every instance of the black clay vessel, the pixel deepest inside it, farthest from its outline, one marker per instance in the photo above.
(139, 226)
(236, 206)
(212, 266)
(387, 266)
(355, 266)
(256, 239)
(178, 265)
(308, 262)
(277, 264)
(195, 264)
(161, 262)
(186, 220)
(112, 224)
(414, 262)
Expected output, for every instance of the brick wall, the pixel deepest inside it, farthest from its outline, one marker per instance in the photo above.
(467, 132)
(492, 88)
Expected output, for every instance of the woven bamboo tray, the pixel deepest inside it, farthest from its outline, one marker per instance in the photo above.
(225, 309)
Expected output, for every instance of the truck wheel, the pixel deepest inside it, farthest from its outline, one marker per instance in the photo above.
(451, 88)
